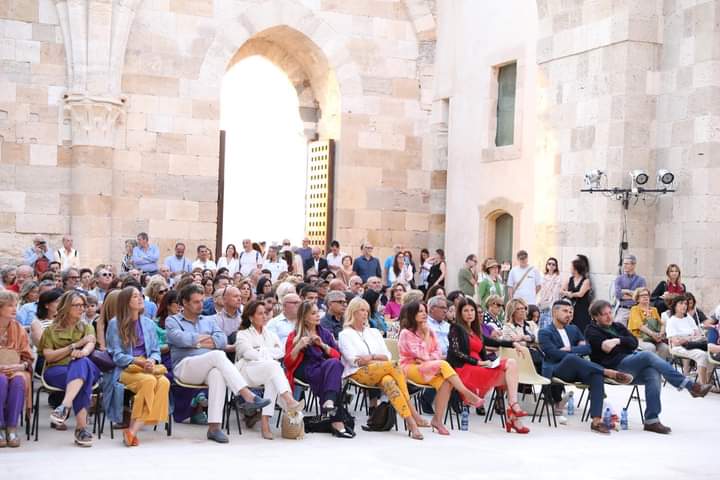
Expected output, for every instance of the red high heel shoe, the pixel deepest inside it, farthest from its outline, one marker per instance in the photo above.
(519, 412)
(512, 423)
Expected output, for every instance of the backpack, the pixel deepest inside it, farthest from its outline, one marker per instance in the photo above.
(382, 419)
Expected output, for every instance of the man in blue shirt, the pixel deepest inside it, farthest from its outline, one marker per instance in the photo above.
(197, 349)
(366, 265)
(625, 286)
(146, 256)
(178, 263)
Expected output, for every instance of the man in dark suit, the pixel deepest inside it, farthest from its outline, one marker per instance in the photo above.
(564, 347)
(315, 262)
(613, 346)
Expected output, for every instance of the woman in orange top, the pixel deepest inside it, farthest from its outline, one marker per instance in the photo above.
(646, 324)
(15, 370)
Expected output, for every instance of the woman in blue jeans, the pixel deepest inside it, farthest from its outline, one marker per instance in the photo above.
(65, 345)
(613, 346)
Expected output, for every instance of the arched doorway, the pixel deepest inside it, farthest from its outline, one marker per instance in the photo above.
(280, 102)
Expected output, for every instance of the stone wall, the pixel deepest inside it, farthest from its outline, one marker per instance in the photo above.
(687, 140)
(134, 147)
(35, 191)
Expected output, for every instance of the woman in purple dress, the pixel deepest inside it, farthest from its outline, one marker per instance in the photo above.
(312, 356)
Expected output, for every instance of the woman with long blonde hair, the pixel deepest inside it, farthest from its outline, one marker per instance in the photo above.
(66, 345)
(107, 312)
(133, 344)
(368, 361)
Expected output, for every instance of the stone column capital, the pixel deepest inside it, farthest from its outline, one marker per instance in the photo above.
(94, 119)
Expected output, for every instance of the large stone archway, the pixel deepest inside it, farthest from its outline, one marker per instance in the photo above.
(123, 129)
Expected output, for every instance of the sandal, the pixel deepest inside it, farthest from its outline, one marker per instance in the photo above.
(422, 423)
(13, 440)
(519, 412)
(129, 439)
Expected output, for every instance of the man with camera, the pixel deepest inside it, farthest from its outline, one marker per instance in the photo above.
(39, 255)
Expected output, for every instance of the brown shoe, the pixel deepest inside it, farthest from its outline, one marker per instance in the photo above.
(657, 427)
(600, 428)
(699, 390)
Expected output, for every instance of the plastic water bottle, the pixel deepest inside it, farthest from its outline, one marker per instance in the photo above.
(624, 419)
(570, 404)
(607, 418)
(465, 418)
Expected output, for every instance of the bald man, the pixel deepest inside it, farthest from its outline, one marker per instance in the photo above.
(284, 323)
(228, 319)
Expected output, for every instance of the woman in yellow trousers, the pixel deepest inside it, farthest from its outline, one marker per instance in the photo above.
(367, 360)
(133, 344)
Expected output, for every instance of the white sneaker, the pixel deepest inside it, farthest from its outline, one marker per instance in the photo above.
(561, 419)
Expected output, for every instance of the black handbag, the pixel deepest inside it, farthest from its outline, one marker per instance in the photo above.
(696, 345)
(102, 360)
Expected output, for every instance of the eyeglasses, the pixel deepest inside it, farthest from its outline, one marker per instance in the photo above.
(81, 305)
(74, 278)
(106, 274)
(342, 302)
(164, 290)
(498, 305)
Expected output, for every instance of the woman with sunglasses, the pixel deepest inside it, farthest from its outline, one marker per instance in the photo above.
(549, 291)
(155, 291)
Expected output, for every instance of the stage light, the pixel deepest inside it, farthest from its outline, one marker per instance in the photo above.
(666, 177)
(639, 177)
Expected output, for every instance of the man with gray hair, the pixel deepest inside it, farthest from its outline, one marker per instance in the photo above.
(437, 320)
(284, 323)
(39, 255)
(67, 255)
(625, 285)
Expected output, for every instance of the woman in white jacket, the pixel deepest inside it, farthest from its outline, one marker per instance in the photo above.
(258, 350)
(366, 359)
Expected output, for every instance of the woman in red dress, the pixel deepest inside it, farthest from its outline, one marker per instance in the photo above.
(466, 354)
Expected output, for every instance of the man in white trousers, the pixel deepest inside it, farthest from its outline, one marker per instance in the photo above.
(197, 350)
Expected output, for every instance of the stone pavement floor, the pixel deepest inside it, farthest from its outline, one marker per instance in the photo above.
(485, 451)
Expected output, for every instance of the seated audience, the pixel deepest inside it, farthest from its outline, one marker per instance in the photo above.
(377, 319)
(613, 346)
(196, 348)
(133, 344)
(394, 304)
(284, 323)
(333, 319)
(645, 324)
(46, 313)
(65, 344)
(466, 354)
(519, 329)
(668, 288)
(187, 402)
(686, 339)
(15, 371)
(421, 360)
(258, 351)
(367, 360)
(564, 347)
(311, 356)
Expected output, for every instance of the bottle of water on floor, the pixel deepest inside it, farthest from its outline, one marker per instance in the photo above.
(624, 419)
(465, 418)
(570, 404)
(607, 418)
